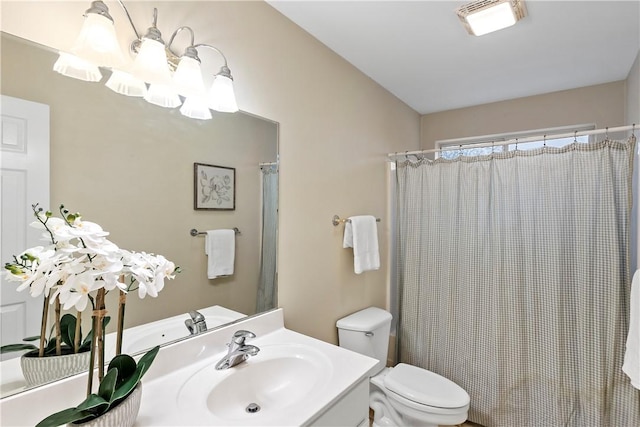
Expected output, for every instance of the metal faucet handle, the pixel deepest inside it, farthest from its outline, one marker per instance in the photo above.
(237, 356)
(241, 335)
(249, 349)
(196, 316)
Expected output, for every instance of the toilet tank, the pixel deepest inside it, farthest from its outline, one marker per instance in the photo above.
(366, 332)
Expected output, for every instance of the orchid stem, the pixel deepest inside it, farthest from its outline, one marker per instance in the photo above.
(58, 329)
(76, 337)
(92, 360)
(43, 325)
(122, 302)
(100, 332)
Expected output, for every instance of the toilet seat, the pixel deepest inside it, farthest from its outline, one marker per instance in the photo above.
(416, 386)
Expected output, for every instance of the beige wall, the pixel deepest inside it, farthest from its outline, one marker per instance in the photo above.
(116, 163)
(632, 116)
(602, 105)
(632, 110)
(336, 126)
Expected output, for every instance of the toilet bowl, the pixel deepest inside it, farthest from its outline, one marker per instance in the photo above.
(404, 395)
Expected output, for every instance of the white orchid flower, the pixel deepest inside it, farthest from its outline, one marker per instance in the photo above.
(99, 246)
(76, 290)
(33, 274)
(56, 226)
(80, 261)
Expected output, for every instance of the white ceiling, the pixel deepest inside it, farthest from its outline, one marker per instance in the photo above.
(420, 52)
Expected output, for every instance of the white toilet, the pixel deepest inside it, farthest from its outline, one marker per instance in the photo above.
(404, 395)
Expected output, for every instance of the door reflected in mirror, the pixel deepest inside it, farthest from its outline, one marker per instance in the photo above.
(128, 165)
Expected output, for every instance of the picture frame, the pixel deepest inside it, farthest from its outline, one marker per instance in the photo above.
(214, 187)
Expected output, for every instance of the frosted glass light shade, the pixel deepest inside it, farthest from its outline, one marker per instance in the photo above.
(195, 107)
(492, 19)
(125, 84)
(71, 66)
(221, 95)
(188, 77)
(97, 42)
(151, 63)
(162, 95)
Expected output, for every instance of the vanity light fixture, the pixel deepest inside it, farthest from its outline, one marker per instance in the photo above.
(157, 73)
(485, 16)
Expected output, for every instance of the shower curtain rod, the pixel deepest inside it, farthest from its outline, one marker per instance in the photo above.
(575, 134)
(267, 163)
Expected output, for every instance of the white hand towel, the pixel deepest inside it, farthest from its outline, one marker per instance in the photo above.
(631, 365)
(361, 234)
(220, 246)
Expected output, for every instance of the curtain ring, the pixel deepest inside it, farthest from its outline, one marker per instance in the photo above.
(633, 130)
(606, 133)
(544, 143)
(575, 136)
(516, 144)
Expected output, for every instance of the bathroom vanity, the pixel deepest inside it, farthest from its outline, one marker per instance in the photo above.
(135, 339)
(293, 380)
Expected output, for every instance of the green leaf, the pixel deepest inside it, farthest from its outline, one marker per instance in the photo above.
(148, 358)
(108, 384)
(50, 348)
(63, 417)
(143, 366)
(125, 365)
(16, 347)
(33, 338)
(126, 387)
(93, 404)
(87, 341)
(68, 329)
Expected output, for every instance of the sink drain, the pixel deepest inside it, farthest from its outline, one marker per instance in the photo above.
(252, 408)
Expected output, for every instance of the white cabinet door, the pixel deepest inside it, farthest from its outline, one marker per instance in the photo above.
(24, 162)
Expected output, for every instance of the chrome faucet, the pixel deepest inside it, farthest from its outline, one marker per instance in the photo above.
(238, 350)
(196, 324)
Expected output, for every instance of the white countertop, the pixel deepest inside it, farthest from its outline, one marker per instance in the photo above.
(177, 362)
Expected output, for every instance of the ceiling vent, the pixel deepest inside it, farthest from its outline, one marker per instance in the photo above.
(485, 16)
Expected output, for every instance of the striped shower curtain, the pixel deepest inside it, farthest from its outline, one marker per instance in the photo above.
(267, 282)
(514, 281)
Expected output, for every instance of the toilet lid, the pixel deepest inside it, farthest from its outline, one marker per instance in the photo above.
(425, 387)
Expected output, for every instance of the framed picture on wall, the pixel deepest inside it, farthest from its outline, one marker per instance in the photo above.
(214, 187)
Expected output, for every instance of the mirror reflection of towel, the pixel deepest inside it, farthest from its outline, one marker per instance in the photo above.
(361, 234)
(220, 246)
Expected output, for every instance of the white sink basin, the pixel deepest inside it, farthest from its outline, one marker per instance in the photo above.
(277, 378)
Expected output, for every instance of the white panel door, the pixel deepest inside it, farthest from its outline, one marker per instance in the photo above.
(24, 161)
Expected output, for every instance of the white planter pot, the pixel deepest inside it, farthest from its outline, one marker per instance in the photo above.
(41, 370)
(123, 415)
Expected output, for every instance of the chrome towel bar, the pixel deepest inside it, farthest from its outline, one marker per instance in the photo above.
(336, 220)
(195, 232)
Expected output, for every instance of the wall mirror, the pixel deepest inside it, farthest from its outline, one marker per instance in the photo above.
(128, 166)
